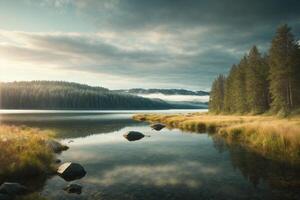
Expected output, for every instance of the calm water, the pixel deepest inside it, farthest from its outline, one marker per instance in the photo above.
(169, 164)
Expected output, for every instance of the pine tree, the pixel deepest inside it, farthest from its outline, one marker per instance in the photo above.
(256, 82)
(216, 99)
(229, 96)
(240, 86)
(284, 69)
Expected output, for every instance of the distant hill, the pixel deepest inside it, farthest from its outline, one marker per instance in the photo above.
(164, 91)
(175, 97)
(66, 95)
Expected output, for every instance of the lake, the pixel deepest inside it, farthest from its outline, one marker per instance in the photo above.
(169, 164)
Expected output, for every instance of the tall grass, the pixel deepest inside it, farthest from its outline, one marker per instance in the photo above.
(23, 151)
(273, 137)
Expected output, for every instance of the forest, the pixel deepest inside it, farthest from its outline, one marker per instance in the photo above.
(262, 83)
(66, 95)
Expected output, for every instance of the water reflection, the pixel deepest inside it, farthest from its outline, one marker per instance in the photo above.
(168, 165)
(258, 169)
(70, 125)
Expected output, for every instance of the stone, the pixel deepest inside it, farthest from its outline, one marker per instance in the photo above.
(13, 189)
(133, 135)
(158, 126)
(55, 146)
(73, 188)
(71, 171)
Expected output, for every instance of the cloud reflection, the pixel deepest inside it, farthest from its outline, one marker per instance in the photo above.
(174, 174)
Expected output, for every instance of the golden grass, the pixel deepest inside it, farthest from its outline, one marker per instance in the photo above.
(273, 137)
(23, 151)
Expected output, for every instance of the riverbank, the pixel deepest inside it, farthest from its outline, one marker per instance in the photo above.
(273, 137)
(26, 152)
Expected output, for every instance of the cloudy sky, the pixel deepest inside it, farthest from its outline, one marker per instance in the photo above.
(135, 43)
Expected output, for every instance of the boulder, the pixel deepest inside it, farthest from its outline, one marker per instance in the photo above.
(133, 135)
(158, 126)
(73, 188)
(13, 189)
(56, 147)
(71, 171)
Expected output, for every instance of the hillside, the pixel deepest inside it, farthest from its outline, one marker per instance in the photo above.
(66, 95)
(165, 91)
(175, 97)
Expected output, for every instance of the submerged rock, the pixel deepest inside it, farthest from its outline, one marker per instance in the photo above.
(133, 135)
(73, 188)
(56, 147)
(71, 171)
(158, 126)
(12, 189)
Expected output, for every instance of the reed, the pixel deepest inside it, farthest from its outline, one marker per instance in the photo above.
(271, 136)
(23, 151)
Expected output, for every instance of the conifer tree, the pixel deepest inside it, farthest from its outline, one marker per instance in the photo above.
(284, 70)
(216, 99)
(256, 82)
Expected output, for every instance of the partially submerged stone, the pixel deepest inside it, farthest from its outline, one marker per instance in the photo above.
(73, 188)
(133, 135)
(158, 126)
(12, 189)
(71, 171)
(55, 146)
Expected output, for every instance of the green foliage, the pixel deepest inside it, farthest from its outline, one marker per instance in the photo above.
(259, 83)
(65, 95)
(216, 99)
(284, 71)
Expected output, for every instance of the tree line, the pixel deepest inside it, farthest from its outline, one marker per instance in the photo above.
(261, 83)
(66, 95)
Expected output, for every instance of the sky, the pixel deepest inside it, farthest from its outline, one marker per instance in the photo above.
(122, 44)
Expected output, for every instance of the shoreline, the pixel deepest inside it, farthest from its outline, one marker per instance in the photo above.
(28, 155)
(272, 137)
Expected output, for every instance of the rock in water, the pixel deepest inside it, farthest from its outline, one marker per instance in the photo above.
(73, 188)
(133, 135)
(71, 171)
(13, 189)
(56, 147)
(158, 126)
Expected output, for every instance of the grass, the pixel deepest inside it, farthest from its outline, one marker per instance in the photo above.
(24, 152)
(273, 137)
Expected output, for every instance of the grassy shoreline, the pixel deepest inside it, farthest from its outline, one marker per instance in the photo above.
(270, 136)
(24, 152)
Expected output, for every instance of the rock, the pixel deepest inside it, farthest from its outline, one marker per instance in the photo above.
(56, 147)
(73, 188)
(133, 135)
(57, 161)
(70, 141)
(13, 189)
(71, 171)
(158, 126)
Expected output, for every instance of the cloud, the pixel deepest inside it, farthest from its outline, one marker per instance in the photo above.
(153, 56)
(170, 43)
